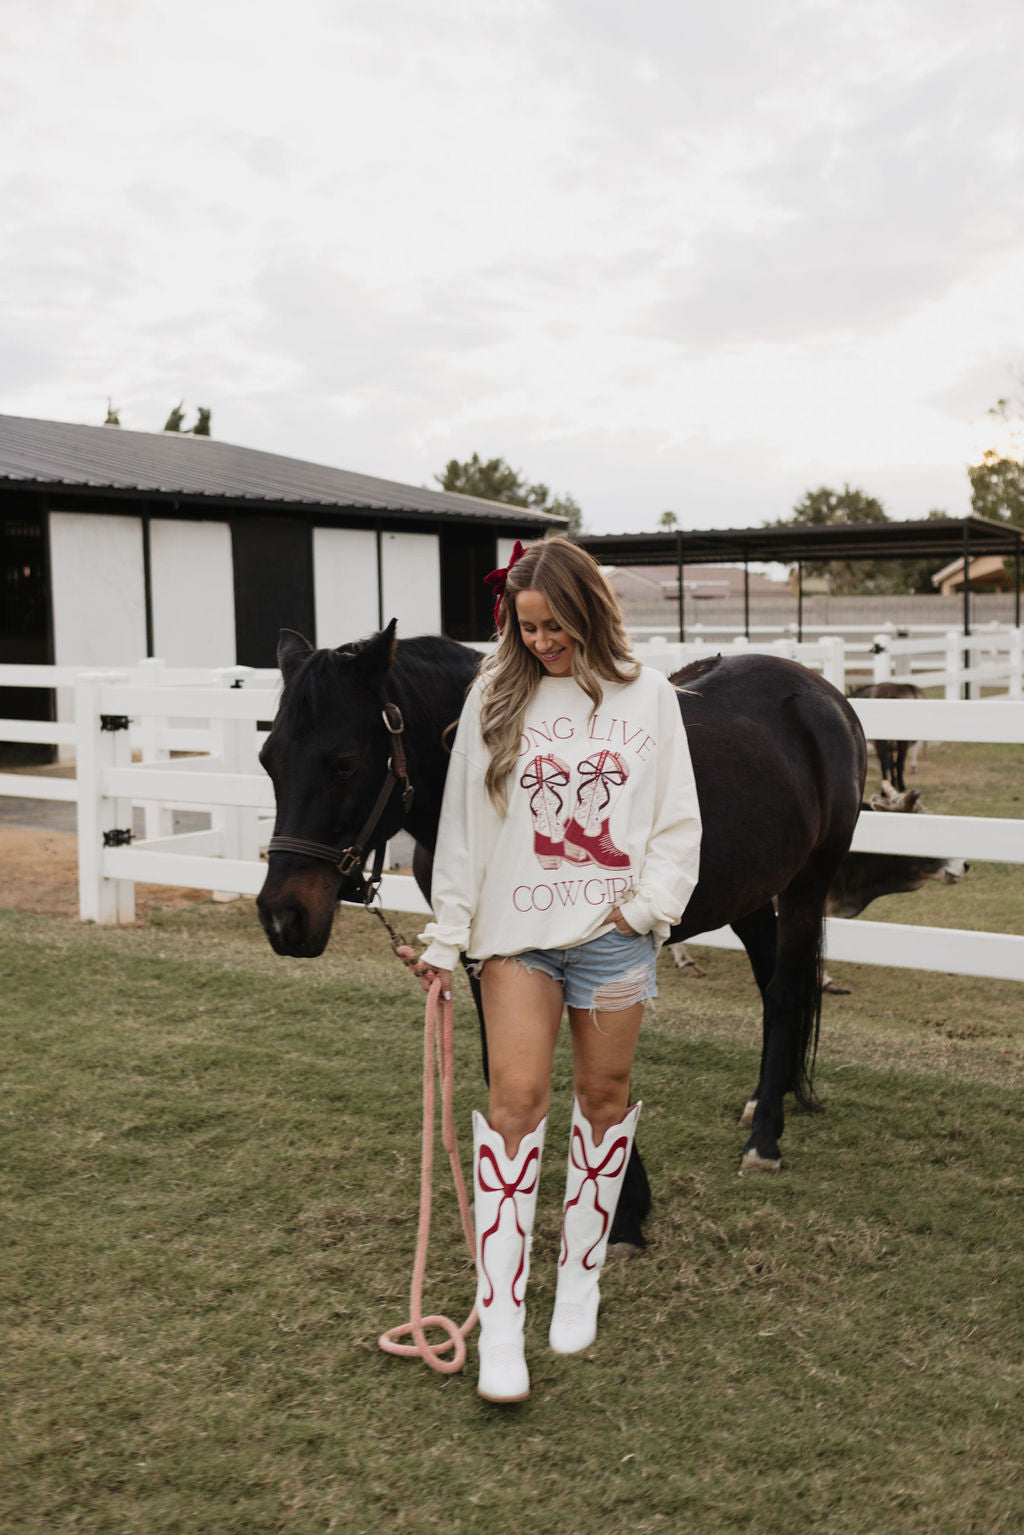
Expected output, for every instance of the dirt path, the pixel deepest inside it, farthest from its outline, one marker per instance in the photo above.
(39, 873)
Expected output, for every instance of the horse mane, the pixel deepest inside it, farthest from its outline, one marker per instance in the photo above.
(419, 682)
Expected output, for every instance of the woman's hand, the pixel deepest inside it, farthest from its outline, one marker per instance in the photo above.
(426, 974)
(618, 920)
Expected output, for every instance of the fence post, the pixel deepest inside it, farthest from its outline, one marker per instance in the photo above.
(833, 660)
(236, 747)
(100, 899)
(881, 670)
(1015, 663)
(954, 662)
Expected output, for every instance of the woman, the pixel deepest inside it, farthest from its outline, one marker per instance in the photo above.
(569, 843)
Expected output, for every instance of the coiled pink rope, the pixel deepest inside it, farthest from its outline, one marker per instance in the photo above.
(439, 1042)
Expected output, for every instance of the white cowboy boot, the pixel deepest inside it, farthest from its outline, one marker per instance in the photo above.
(592, 1188)
(505, 1199)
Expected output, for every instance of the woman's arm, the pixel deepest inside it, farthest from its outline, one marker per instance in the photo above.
(671, 862)
(460, 854)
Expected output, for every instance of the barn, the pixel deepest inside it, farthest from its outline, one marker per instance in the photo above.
(118, 545)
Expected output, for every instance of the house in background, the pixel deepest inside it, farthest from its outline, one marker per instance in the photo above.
(649, 594)
(988, 573)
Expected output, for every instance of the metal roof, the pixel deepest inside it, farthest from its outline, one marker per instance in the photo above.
(44, 455)
(945, 538)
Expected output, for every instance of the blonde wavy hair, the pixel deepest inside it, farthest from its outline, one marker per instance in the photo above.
(584, 605)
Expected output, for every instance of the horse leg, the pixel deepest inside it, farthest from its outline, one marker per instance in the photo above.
(474, 986)
(899, 765)
(791, 1017)
(757, 933)
(633, 1208)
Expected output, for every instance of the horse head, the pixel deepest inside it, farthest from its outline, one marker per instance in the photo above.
(328, 755)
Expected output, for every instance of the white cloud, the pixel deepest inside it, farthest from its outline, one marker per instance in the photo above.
(658, 255)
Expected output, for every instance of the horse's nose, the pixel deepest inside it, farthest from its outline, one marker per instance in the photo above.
(297, 914)
(285, 924)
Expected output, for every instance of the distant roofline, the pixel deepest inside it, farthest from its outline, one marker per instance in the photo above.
(794, 542)
(204, 472)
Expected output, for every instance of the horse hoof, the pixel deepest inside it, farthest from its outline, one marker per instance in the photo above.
(623, 1252)
(754, 1162)
(747, 1117)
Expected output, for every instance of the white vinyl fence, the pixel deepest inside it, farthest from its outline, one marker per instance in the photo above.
(951, 951)
(129, 725)
(992, 659)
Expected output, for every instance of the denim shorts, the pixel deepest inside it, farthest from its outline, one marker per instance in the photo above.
(607, 974)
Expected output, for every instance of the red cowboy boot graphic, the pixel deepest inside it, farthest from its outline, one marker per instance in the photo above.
(587, 839)
(544, 779)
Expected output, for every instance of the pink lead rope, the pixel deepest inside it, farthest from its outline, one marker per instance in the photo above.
(439, 1042)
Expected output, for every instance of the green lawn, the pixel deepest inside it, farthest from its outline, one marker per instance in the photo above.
(209, 1184)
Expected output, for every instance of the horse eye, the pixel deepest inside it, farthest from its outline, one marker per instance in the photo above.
(343, 767)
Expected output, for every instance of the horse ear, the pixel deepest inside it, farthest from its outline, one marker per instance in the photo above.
(292, 650)
(375, 656)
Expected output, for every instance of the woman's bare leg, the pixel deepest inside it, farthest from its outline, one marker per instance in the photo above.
(604, 1044)
(523, 1011)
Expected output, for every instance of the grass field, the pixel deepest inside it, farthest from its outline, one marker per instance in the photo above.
(209, 1182)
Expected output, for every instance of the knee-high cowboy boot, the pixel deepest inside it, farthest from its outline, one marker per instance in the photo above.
(592, 1188)
(505, 1199)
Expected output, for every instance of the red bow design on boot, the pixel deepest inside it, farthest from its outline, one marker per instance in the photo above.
(498, 578)
(612, 1166)
(491, 1180)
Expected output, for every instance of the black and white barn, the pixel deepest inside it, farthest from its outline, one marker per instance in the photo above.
(117, 545)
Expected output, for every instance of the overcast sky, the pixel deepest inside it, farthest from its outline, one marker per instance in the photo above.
(653, 253)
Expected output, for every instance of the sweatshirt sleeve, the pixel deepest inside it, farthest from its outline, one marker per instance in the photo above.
(671, 861)
(462, 839)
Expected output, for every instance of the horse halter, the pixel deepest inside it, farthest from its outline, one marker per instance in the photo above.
(349, 861)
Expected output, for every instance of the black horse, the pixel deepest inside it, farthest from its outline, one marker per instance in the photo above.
(779, 759)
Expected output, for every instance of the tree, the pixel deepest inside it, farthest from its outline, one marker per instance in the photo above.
(177, 416)
(997, 488)
(668, 520)
(824, 507)
(495, 480)
(997, 483)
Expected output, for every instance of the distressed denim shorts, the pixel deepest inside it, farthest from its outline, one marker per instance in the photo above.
(607, 974)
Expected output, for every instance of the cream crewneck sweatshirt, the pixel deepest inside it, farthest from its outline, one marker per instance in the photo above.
(602, 812)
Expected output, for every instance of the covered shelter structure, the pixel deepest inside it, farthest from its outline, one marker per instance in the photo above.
(799, 544)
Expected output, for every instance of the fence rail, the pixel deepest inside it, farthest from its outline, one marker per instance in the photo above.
(129, 724)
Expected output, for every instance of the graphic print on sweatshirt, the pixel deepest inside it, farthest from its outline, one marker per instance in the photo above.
(571, 812)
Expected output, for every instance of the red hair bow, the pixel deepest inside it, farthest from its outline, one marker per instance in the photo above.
(498, 578)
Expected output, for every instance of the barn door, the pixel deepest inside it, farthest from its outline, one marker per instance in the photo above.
(467, 605)
(273, 571)
(25, 634)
